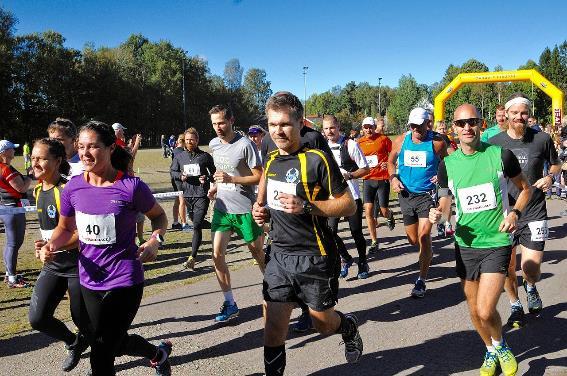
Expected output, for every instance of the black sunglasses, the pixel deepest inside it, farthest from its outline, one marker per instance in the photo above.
(473, 122)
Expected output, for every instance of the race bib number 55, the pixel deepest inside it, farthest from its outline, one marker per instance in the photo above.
(275, 188)
(477, 198)
(414, 158)
(97, 229)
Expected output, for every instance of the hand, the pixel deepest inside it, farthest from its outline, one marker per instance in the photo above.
(347, 176)
(397, 185)
(37, 245)
(434, 179)
(292, 204)
(260, 213)
(544, 183)
(508, 224)
(222, 177)
(202, 179)
(46, 252)
(148, 251)
(212, 193)
(435, 215)
(183, 177)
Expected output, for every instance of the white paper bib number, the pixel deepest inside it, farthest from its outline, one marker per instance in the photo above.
(414, 158)
(478, 198)
(96, 229)
(539, 230)
(275, 188)
(46, 234)
(192, 169)
(372, 160)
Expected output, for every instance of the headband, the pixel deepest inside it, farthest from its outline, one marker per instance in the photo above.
(517, 100)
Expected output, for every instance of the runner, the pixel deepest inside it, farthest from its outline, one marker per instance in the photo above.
(13, 188)
(303, 263)
(64, 131)
(501, 126)
(192, 170)
(110, 264)
(238, 169)
(376, 147)
(533, 149)
(27, 155)
(179, 210)
(60, 275)
(417, 154)
(352, 165)
(483, 245)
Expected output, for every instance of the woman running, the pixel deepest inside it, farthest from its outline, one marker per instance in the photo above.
(49, 163)
(101, 205)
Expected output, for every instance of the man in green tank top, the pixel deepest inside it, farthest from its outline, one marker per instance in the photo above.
(476, 176)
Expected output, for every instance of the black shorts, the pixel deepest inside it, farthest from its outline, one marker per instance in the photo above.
(176, 184)
(377, 192)
(472, 262)
(414, 206)
(531, 235)
(310, 279)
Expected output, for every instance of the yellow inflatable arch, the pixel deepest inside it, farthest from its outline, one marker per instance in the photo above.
(502, 76)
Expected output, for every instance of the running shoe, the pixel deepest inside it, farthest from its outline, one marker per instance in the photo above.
(517, 318)
(303, 323)
(227, 312)
(19, 283)
(441, 230)
(391, 221)
(186, 227)
(176, 226)
(190, 263)
(353, 342)
(363, 271)
(506, 359)
(490, 364)
(345, 265)
(74, 352)
(535, 304)
(449, 230)
(162, 366)
(373, 247)
(418, 290)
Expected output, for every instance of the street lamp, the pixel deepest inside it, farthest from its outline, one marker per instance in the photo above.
(379, 97)
(305, 90)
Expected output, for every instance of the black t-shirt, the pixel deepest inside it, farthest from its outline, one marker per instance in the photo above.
(48, 204)
(310, 138)
(532, 151)
(311, 175)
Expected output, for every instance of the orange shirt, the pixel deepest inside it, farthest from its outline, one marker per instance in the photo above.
(376, 149)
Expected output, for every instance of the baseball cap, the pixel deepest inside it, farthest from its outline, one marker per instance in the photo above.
(368, 120)
(6, 145)
(256, 129)
(118, 126)
(418, 116)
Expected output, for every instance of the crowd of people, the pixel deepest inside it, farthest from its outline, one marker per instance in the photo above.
(284, 190)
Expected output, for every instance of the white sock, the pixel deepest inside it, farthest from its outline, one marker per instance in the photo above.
(12, 278)
(496, 343)
(175, 223)
(228, 297)
(490, 349)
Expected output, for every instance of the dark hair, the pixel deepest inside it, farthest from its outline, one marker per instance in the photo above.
(64, 125)
(221, 108)
(285, 99)
(56, 149)
(120, 158)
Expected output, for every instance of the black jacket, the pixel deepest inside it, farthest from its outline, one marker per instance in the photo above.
(192, 187)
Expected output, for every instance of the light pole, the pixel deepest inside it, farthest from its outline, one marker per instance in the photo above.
(305, 90)
(184, 96)
(379, 97)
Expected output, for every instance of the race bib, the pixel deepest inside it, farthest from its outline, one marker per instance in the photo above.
(478, 198)
(96, 229)
(192, 169)
(372, 160)
(414, 158)
(275, 188)
(46, 234)
(539, 230)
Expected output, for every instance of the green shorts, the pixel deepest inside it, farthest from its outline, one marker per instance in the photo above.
(242, 224)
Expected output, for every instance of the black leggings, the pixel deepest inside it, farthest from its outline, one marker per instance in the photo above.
(355, 224)
(197, 208)
(110, 314)
(47, 294)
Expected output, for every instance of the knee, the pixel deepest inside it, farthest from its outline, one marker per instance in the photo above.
(323, 327)
(37, 320)
(485, 313)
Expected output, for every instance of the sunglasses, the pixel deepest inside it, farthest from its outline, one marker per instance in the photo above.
(473, 122)
(416, 125)
(367, 126)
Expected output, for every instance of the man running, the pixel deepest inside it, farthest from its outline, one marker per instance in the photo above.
(417, 154)
(237, 170)
(352, 165)
(376, 147)
(532, 149)
(64, 131)
(304, 188)
(483, 245)
(500, 116)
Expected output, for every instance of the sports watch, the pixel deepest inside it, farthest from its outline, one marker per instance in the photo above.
(158, 237)
(307, 207)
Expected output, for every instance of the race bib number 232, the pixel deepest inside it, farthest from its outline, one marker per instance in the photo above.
(477, 198)
(275, 188)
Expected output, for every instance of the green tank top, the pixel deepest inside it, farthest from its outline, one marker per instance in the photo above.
(477, 181)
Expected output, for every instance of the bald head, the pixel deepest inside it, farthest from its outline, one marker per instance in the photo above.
(466, 111)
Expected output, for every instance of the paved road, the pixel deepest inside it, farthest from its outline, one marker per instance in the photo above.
(402, 336)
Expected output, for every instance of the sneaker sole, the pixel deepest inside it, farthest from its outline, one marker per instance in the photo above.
(417, 295)
(353, 357)
(231, 317)
(516, 324)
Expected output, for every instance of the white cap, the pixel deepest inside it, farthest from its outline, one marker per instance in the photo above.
(368, 121)
(118, 126)
(6, 145)
(418, 116)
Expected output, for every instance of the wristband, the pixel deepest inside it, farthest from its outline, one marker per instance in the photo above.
(394, 176)
(518, 213)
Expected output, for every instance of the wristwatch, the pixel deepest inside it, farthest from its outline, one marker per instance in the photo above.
(518, 213)
(158, 237)
(307, 207)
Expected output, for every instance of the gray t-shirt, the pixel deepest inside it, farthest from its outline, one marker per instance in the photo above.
(237, 158)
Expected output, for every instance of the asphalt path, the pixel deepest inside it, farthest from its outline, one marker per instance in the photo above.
(402, 336)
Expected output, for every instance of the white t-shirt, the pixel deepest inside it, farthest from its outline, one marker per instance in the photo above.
(356, 155)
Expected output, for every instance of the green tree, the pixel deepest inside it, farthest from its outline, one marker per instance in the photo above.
(233, 74)
(256, 89)
(408, 94)
(7, 100)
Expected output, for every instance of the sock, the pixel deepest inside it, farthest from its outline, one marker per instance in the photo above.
(12, 278)
(497, 343)
(346, 327)
(490, 349)
(529, 287)
(420, 279)
(228, 297)
(274, 360)
(516, 304)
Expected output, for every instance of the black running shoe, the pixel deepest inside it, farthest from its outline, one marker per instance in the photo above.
(74, 352)
(391, 221)
(517, 318)
(353, 342)
(535, 304)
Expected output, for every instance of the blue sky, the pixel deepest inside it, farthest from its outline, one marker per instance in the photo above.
(339, 41)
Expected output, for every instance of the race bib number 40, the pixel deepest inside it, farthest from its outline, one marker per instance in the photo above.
(414, 158)
(97, 229)
(275, 188)
(192, 169)
(372, 160)
(539, 230)
(478, 198)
